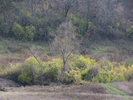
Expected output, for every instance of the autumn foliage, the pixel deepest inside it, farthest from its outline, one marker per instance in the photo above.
(78, 68)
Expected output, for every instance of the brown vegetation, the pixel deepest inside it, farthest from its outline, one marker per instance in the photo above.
(54, 92)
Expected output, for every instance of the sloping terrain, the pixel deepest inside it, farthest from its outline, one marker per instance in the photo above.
(111, 50)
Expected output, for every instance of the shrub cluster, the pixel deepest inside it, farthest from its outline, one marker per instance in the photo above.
(130, 32)
(83, 25)
(78, 68)
(23, 33)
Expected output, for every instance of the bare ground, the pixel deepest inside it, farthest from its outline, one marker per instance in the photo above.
(86, 91)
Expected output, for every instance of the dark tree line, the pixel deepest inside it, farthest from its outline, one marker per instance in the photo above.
(35, 19)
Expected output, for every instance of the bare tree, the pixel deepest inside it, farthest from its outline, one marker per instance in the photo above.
(67, 4)
(65, 42)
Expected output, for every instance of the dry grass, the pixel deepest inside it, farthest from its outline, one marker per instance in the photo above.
(115, 50)
(86, 91)
(82, 96)
(89, 88)
(112, 50)
(64, 92)
(3, 62)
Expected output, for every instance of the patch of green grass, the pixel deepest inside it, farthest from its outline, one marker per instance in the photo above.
(7, 45)
(127, 98)
(3, 47)
(113, 90)
(75, 98)
(99, 49)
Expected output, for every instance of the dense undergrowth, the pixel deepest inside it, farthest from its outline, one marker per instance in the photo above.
(78, 69)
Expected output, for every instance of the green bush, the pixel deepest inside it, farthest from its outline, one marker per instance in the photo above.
(89, 74)
(29, 71)
(18, 31)
(11, 72)
(102, 78)
(77, 68)
(0, 69)
(128, 63)
(52, 71)
(119, 77)
(129, 74)
(73, 76)
(82, 24)
(5, 29)
(21, 33)
(29, 32)
(23, 78)
(130, 32)
(110, 72)
(81, 62)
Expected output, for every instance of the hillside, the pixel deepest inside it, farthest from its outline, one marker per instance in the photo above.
(66, 49)
(113, 50)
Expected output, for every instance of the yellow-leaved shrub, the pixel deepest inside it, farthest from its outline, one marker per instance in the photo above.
(81, 62)
(52, 70)
(29, 71)
(73, 76)
(11, 72)
(110, 72)
(77, 68)
(129, 73)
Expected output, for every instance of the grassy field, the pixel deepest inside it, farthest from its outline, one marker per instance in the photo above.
(86, 91)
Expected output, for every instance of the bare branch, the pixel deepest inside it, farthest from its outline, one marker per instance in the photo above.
(33, 53)
(35, 56)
